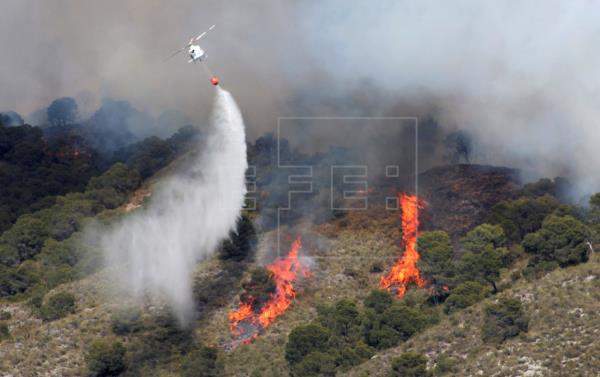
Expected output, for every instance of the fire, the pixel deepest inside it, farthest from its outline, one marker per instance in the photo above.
(405, 270)
(245, 323)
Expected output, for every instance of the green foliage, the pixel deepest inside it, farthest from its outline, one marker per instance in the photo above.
(379, 300)
(203, 362)
(119, 178)
(343, 318)
(4, 331)
(435, 263)
(522, 216)
(484, 256)
(464, 295)
(561, 239)
(315, 364)
(445, 365)
(409, 364)
(305, 339)
(482, 237)
(594, 210)
(241, 242)
(503, 320)
(23, 241)
(126, 320)
(147, 156)
(105, 359)
(58, 306)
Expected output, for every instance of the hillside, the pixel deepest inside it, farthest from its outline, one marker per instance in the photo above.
(347, 257)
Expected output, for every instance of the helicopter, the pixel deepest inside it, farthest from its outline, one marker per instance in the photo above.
(198, 55)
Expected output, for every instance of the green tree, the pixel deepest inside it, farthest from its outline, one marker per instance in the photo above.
(594, 211)
(504, 319)
(561, 239)
(241, 242)
(483, 257)
(305, 339)
(522, 216)
(119, 177)
(315, 364)
(464, 295)
(409, 364)
(58, 306)
(379, 300)
(105, 359)
(22, 241)
(435, 263)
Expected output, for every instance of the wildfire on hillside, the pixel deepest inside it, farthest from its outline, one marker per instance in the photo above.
(405, 271)
(246, 322)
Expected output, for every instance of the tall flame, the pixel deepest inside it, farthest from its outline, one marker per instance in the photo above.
(245, 322)
(405, 270)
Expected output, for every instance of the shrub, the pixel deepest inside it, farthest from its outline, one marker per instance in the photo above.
(304, 340)
(445, 364)
(409, 364)
(379, 300)
(58, 306)
(561, 239)
(465, 295)
(105, 359)
(503, 320)
(126, 320)
(203, 362)
(241, 242)
(314, 364)
(4, 332)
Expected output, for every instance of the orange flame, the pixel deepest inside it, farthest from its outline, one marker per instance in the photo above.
(405, 270)
(285, 272)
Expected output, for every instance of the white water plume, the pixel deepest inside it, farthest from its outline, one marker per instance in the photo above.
(155, 249)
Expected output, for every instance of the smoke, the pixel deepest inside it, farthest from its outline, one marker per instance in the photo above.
(520, 78)
(188, 216)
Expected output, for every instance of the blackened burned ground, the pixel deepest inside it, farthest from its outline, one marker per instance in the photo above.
(460, 196)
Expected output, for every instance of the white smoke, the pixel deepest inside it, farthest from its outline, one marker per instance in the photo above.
(156, 249)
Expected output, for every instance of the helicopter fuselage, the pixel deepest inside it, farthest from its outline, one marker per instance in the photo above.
(196, 53)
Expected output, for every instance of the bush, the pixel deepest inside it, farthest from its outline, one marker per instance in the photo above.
(105, 359)
(503, 320)
(409, 364)
(304, 340)
(241, 242)
(314, 364)
(203, 362)
(562, 239)
(465, 295)
(4, 331)
(58, 306)
(126, 320)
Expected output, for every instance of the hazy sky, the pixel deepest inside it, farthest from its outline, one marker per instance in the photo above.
(522, 77)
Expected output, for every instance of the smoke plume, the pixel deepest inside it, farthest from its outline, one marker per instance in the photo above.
(189, 215)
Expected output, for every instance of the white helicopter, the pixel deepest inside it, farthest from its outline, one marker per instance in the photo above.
(197, 54)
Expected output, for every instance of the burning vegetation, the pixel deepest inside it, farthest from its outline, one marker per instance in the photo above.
(255, 314)
(405, 271)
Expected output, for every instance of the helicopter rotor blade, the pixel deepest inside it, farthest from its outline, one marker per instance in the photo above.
(204, 33)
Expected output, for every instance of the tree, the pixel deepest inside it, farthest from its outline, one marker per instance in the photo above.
(62, 111)
(379, 300)
(464, 295)
(23, 240)
(522, 216)
(594, 211)
(58, 306)
(315, 364)
(483, 267)
(105, 359)
(483, 236)
(305, 339)
(483, 255)
(562, 239)
(435, 263)
(241, 242)
(119, 177)
(409, 364)
(504, 319)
